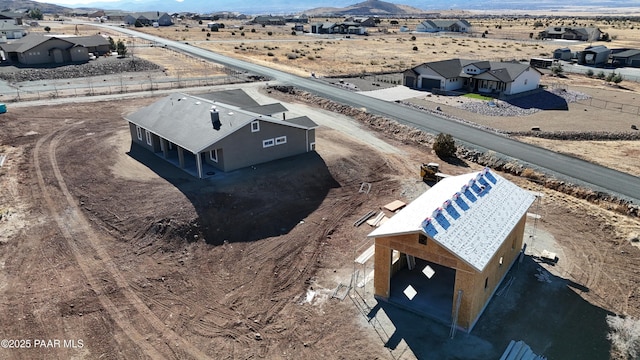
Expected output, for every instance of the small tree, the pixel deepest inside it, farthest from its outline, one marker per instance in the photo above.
(445, 146)
(35, 14)
(47, 29)
(600, 75)
(121, 48)
(589, 73)
(112, 44)
(415, 48)
(610, 76)
(557, 70)
(617, 79)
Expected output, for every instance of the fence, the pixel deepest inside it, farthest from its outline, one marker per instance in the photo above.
(610, 105)
(92, 88)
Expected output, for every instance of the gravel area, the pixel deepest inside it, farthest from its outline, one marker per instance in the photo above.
(555, 99)
(102, 66)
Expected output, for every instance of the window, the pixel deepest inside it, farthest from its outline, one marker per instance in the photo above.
(213, 155)
(500, 261)
(422, 239)
(281, 140)
(267, 143)
(486, 283)
(148, 134)
(139, 132)
(312, 146)
(525, 81)
(255, 126)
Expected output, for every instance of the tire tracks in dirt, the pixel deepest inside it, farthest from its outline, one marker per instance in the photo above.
(93, 258)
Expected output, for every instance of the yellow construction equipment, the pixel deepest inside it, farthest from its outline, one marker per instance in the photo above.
(428, 171)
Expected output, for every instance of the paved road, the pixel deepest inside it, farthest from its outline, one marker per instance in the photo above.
(564, 167)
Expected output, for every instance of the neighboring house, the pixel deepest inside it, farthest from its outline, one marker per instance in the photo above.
(197, 133)
(594, 55)
(39, 49)
(444, 25)
(298, 27)
(570, 33)
(323, 28)
(629, 57)
(148, 18)
(302, 19)
(363, 21)
(338, 28)
(562, 54)
(10, 31)
(446, 253)
(115, 15)
(504, 78)
(269, 20)
(13, 17)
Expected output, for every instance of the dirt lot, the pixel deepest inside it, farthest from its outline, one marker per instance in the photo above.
(136, 262)
(106, 244)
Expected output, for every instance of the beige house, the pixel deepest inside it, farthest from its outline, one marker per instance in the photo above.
(447, 252)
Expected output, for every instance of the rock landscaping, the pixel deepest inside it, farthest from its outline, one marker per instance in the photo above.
(103, 66)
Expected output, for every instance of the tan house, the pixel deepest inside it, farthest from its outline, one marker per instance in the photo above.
(446, 253)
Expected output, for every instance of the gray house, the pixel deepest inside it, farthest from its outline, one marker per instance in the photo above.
(37, 49)
(11, 31)
(209, 131)
(570, 33)
(594, 55)
(629, 57)
(456, 25)
(148, 18)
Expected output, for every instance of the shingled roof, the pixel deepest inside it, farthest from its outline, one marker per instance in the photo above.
(185, 120)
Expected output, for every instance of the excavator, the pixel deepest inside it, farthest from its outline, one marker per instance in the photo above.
(428, 171)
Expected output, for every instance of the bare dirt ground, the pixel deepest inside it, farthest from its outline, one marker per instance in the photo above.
(98, 247)
(109, 245)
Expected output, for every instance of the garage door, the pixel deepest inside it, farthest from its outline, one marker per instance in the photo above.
(430, 83)
(635, 63)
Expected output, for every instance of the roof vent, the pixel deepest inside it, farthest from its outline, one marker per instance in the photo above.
(215, 118)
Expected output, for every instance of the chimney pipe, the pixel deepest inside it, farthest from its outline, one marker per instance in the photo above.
(215, 117)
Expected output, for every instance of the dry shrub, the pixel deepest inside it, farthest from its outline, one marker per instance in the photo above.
(624, 336)
(531, 174)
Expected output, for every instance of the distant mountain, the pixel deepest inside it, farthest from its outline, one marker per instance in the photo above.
(25, 5)
(279, 7)
(369, 7)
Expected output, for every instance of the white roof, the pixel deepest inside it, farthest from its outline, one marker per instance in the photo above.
(471, 215)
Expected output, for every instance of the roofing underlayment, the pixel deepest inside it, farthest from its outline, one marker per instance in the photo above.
(471, 215)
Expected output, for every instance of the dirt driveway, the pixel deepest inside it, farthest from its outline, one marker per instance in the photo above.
(106, 244)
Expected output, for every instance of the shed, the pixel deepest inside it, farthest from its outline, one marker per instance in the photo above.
(562, 54)
(456, 243)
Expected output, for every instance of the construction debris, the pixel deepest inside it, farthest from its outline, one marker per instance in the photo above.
(395, 205)
(365, 188)
(520, 351)
(364, 218)
(377, 220)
